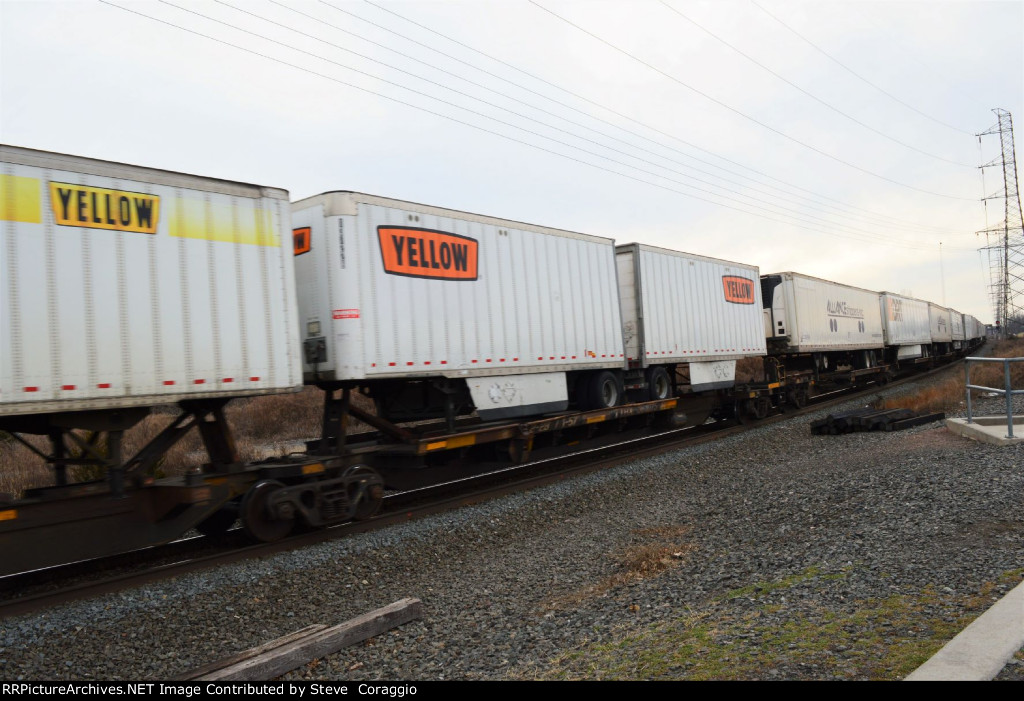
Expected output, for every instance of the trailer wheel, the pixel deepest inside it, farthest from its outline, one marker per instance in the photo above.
(659, 386)
(257, 520)
(605, 391)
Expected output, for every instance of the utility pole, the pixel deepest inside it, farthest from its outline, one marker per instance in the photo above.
(1006, 254)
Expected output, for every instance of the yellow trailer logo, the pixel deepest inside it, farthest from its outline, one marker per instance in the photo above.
(99, 208)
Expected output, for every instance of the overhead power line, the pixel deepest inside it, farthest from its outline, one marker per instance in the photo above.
(732, 109)
(857, 75)
(811, 95)
(869, 238)
(765, 206)
(769, 203)
(851, 208)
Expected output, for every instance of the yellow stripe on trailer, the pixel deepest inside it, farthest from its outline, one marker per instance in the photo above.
(221, 221)
(20, 199)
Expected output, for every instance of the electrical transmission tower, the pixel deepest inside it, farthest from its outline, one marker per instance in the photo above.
(1005, 241)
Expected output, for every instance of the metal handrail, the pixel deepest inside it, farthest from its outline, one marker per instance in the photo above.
(1006, 391)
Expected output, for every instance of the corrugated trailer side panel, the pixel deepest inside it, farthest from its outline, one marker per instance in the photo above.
(820, 315)
(127, 286)
(975, 328)
(680, 307)
(956, 324)
(393, 300)
(941, 329)
(905, 320)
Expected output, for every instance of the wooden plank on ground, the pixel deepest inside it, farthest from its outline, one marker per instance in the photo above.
(200, 672)
(279, 657)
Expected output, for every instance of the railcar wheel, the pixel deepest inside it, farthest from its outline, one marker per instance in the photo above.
(366, 493)
(605, 391)
(798, 399)
(219, 521)
(257, 520)
(659, 386)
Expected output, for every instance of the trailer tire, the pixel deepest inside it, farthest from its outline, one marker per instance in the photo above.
(604, 390)
(659, 385)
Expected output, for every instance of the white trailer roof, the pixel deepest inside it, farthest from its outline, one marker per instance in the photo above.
(125, 171)
(346, 203)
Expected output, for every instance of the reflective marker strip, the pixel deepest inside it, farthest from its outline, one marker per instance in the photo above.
(458, 442)
(8, 515)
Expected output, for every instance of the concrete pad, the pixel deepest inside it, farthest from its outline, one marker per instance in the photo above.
(982, 649)
(988, 429)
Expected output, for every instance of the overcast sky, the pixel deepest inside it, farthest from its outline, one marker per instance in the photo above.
(836, 139)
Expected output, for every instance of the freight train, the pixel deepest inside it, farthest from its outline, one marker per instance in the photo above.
(128, 288)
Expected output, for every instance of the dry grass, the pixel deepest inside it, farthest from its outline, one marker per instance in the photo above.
(948, 394)
(262, 426)
(654, 551)
(750, 370)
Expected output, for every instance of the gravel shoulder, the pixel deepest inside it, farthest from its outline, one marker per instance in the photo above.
(771, 555)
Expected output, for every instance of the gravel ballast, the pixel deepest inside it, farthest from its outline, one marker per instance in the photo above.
(775, 554)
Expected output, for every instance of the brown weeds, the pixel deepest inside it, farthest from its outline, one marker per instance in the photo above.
(655, 551)
(750, 370)
(261, 426)
(949, 394)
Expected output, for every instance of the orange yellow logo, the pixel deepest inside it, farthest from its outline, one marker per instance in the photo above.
(427, 253)
(300, 240)
(738, 290)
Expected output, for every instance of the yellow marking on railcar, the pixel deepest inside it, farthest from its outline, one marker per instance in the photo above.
(220, 221)
(312, 469)
(20, 199)
(773, 385)
(461, 441)
(437, 445)
(596, 419)
(8, 515)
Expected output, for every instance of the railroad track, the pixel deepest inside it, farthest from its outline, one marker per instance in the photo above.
(42, 589)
